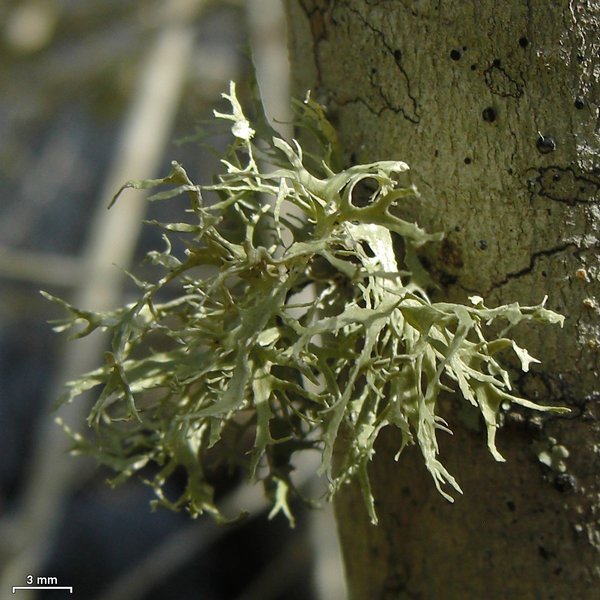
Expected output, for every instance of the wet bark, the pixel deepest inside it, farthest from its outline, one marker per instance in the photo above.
(495, 106)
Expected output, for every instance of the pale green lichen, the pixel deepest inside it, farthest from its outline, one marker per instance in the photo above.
(239, 353)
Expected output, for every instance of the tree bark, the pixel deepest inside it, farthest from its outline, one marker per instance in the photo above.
(495, 106)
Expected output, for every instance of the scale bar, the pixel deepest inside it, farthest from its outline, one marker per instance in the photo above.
(43, 587)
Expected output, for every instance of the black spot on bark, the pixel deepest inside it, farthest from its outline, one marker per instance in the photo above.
(397, 55)
(523, 42)
(497, 62)
(468, 160)
(489, 114)
(455, 55)
(579, 104)
(545, 144)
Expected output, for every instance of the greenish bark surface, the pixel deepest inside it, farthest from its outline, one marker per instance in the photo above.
(495, 107)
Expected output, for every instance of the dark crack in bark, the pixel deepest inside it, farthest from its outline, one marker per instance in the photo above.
(315, 11)
(564, 184)
(500, 83)
(411, 116)
(530, 267)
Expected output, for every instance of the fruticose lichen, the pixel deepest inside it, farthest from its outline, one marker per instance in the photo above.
(220, 346)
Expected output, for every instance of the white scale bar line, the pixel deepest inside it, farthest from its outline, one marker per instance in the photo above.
(43, 587)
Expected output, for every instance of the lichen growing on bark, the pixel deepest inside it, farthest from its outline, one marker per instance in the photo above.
(239, 353)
